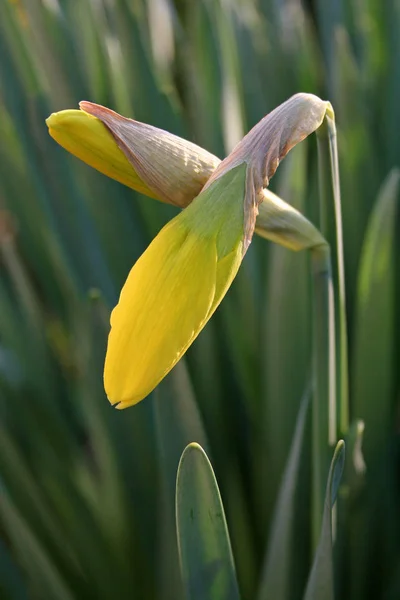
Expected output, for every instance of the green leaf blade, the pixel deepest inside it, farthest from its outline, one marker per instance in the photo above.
(373, 377)
(205, 552)
(320, 584)
(277, 578)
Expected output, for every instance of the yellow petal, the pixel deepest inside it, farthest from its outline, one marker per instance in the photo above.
(173, 290)
(87, 138)
(162, 307)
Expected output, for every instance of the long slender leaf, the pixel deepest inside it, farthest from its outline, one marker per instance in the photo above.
(277, 576)
(207, 565)
(320, 584)
(373, 374)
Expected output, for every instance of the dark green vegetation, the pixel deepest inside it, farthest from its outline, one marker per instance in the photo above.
(87, 492)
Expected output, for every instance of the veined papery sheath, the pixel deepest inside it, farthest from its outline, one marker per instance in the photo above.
(171, 169)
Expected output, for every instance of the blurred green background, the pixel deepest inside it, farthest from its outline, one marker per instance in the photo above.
(88, 492)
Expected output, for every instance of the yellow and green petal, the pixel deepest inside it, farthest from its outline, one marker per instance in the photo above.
(174, 288)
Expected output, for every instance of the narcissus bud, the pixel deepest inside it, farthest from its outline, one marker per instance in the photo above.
(179, 281)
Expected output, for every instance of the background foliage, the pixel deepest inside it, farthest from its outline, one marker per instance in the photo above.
(87, 492)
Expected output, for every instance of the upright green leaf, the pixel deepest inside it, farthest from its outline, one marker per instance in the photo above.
(374, 367)
(320, 584)
(374, 393)
(277, 577)
(206, 558)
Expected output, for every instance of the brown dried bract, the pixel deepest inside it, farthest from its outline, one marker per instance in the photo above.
(175, 169)
(266, 144)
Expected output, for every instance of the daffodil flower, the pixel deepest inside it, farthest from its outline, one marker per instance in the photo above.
(179, 281)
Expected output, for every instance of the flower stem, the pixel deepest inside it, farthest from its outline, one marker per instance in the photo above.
(324, 366)
(331, 227)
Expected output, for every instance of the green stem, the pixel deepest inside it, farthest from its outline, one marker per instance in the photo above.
(331, 227)
(324, 367)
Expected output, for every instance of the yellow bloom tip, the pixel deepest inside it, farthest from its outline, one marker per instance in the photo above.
(121, 405)
(87, 138)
